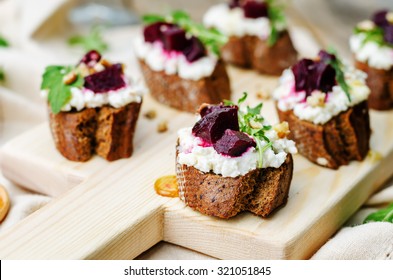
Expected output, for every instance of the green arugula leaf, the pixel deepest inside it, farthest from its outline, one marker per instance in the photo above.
(92, 41)
(211, 38)
(383, 215)
(277, 18)
(340, 77)
(251, 123)
(2, 75)
(3, 42)
(59, 93)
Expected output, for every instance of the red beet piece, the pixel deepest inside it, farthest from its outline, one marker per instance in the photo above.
(106, 80)
(213, 124)
(233, 143)
(174, 39)
(194, 50)
(91, 56)
(325, 56)
(379, 18)
(255, 9)
(153, 32)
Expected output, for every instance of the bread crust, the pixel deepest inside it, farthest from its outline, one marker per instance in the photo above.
(107, 131)
(380, 82)
(184, 94)
(260, 191)
(342, 139)
(253, 52)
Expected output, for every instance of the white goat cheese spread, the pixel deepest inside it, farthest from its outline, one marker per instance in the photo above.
(192, 152)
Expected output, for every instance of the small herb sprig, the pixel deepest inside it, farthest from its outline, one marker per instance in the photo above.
(92, 41)
(211, 37)
(59, 93)
(251, 123)
(277, 18)
(338, 66)
(375, 35)
(383, 215)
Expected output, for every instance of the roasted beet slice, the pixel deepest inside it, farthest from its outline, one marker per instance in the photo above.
(106, 80)
(388, 34)
(379, 18)
(174, 39)
(325, 56)
(234, 4)
(92, 57)
(255, 9)
(153, 32)
(323, 77)
(233, 143)
(194, 50)
(213, 125)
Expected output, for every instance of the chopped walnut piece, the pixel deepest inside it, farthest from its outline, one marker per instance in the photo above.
(162, 126)
(69, 78)
(317, 99)
(282, 129)
(389, 17)
(105, 63)
(151, 114)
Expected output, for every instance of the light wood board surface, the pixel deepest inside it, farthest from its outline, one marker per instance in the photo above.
(110, 210)
(107, 210)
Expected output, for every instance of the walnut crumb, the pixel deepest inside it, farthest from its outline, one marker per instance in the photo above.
(162, 126)
(151, 114)
(69, 78)
(282, 129)
(317, 99)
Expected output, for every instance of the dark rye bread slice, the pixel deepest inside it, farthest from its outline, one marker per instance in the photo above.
(380, 82)
(342, 139)
(253, 52)
(184, 94)
(259, 191)
(107, 131)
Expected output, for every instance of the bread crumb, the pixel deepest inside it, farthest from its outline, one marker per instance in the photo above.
(264, 95)
(69, 78)
(162, 126)
(374, 156)
(151, 114)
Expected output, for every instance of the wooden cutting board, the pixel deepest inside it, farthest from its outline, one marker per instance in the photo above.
(105, 210)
